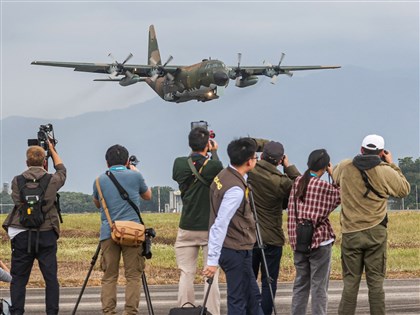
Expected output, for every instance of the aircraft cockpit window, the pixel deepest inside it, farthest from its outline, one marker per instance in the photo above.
(212, 65)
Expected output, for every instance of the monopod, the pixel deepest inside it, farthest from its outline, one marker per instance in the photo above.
(92, 264)
(261, 245)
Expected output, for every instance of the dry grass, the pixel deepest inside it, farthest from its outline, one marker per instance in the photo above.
(79, 239)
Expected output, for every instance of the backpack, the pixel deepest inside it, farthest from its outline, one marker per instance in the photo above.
(32, 200)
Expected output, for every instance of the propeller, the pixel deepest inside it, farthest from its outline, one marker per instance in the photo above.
(288, 73)
(281, 58)
(159, 70)
(117, 67)
(273, 73)
(238, 70)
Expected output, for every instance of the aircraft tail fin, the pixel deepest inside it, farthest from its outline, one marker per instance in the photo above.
(154, 54)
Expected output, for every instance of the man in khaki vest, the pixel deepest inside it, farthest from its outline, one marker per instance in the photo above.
(366, 182)
(232, 233)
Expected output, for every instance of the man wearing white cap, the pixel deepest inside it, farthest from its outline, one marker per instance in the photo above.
(366, 183)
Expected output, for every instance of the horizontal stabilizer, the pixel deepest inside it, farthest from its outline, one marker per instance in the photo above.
(111, 80)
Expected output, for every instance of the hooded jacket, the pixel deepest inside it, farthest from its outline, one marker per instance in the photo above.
(362, 209)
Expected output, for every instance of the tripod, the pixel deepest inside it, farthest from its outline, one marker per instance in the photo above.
(261, 245)
(92, 264)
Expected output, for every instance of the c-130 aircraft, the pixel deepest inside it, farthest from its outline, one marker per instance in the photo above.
(203, 81)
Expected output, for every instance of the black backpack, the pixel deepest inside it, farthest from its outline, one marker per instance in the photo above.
(32, 200)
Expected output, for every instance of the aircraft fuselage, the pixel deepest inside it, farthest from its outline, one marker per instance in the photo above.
(202, 82)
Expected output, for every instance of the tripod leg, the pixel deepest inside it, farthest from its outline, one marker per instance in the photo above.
(261, 246)
(92, 264)
(147, 294)
(269, 279)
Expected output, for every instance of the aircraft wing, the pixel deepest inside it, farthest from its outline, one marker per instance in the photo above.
(109, 68)
(275, 70)
(78, 66)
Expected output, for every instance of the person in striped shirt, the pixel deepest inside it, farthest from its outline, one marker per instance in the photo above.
(313, 199)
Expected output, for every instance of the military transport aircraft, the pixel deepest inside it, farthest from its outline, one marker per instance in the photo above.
(203, 81)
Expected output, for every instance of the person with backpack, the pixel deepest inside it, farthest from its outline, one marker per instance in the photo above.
(34, 227)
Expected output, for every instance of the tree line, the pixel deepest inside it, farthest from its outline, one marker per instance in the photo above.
(411, 170)
(74, 202)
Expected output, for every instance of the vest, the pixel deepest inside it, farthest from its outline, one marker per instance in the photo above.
(241, 234)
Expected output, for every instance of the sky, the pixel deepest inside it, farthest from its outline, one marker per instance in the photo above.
(378, 35)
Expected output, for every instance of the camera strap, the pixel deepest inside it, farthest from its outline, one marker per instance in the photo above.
(124, 195)
(315, 224)
(368, 185)
(197, 173)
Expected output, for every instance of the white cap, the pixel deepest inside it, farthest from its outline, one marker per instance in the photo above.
(373, 142)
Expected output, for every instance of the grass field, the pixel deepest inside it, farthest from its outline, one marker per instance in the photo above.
(79, 240)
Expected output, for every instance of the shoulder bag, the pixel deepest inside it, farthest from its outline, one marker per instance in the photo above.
(304, 231)
(126, 233)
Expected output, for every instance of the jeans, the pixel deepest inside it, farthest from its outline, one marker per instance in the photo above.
(312, 276)
(273, 256)
(22, 263)
(243, 295)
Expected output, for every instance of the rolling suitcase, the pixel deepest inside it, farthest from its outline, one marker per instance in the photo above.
(190, 309)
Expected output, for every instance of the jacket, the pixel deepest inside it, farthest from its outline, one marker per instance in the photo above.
(194, 194)
(360, 213)
(271, 191)
(52, 221)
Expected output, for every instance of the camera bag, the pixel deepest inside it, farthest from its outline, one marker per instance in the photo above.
(304, 232)
(190, 309)
(126, 233)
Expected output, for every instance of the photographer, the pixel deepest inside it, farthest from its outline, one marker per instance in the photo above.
(194, 223)
(366, 183)
(120, 210)
(38, 243)
(271, 192)
(311, 202)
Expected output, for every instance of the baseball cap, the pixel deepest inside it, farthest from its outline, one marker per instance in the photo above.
(273, 150)
(373, 142)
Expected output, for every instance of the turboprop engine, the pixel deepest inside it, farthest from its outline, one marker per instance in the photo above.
(248, 81)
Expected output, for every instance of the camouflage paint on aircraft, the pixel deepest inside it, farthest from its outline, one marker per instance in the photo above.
(203, 81)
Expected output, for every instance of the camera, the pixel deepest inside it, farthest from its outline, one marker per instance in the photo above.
(45, 133)
(205, 125)
(132, 160)
(150, 233)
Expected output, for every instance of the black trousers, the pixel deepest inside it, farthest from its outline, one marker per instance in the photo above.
(273, 256)
(22, 263)
(243, 294)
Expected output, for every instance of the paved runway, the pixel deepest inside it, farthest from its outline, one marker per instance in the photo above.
(402, 297)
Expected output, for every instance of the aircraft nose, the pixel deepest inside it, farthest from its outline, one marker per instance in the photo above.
(220, 78)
